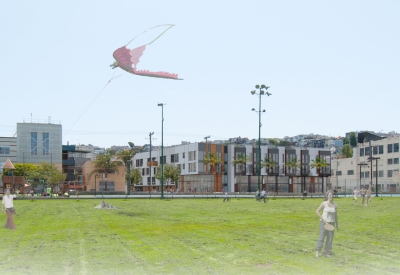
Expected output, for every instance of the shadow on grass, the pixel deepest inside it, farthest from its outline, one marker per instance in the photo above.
(128, 214)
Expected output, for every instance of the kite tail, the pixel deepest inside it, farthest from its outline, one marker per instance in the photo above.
(170, 26)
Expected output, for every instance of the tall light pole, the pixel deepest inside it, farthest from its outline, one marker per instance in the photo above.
(162, 148)
(262, 91)
(150, 134)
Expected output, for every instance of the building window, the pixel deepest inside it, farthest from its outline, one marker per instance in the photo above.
(362, 175)
(367, 174)
(350, 172)
(192, 155)
(390, 148)
(390, 161)
(338, 173)
(381, 174)
(361, 152)
(375, 150)
(172, 158)
(46, 144)
(183, 166)
(192, 167)
(380, 149)
(395, 147)
(374, 174)
(106, 186)
(183, 155)
(390, 173)
(4, 150)
(396, 160)
(165, 160)
(367, 151)
(34, 143)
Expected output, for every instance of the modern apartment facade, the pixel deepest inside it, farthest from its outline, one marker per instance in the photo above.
(199, 177)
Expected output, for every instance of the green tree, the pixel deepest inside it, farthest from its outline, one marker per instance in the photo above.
(269, 164)
(292, 164)
(172, 173)
(105, 163)
(284, 143)
(25, 169)
(345, 141)
(318, 163)
(346, 151)
(126, 157)
(241, 159)
(135, 176)
(273, 141)
(213, 160)
(353, 139)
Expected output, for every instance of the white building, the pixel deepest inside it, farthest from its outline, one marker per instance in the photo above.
(195, 175)
(359, 171)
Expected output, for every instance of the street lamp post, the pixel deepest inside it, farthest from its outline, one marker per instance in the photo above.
(151, 133)
(262, 91)
(162, 148)
(361, 164)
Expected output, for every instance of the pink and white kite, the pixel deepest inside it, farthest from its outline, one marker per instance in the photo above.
(128, 59)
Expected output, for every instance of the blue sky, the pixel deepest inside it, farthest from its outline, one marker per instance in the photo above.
(332, 67)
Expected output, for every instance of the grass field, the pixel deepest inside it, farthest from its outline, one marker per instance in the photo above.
(198, 236)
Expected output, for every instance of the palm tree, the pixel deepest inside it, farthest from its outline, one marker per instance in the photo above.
(241, 159)
(293, 164)
(126, 157)
(212, 159)
(269, 164)
(105, 164)
(319, 163)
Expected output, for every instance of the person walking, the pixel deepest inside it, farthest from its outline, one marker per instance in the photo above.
(355, 195)
(329, 216)
(8, 206)
(362, 193)
(369, 200)
(226, 197)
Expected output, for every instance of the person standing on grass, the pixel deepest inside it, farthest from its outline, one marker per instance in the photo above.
(8, 206)
(369, 200)
(362, 193)
(329, 215)
(355, 194)
(226, 196)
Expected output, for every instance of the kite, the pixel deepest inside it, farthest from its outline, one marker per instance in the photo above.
(128, 59)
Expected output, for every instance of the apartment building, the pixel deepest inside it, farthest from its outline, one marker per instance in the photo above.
(195, 175)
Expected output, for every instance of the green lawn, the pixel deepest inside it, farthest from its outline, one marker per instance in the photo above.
(198, 236)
